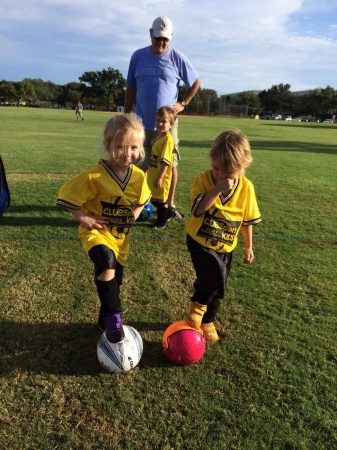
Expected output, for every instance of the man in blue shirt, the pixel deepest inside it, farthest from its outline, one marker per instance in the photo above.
(153, 81)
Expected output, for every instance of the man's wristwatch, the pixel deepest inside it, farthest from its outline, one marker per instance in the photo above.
(184, 103)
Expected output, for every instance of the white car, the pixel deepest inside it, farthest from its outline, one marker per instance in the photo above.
(287, 118)
(328, 121)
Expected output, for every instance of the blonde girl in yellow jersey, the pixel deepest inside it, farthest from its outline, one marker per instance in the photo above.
(106, 199)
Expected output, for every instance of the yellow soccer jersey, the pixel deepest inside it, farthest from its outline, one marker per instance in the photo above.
(100, 192)
(162, 151)
(218, 228)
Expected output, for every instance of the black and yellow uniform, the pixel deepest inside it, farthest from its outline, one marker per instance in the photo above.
(162, 151)
(212, 236)
(98, 191)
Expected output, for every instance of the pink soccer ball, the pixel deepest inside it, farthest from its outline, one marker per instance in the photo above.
(183, 344)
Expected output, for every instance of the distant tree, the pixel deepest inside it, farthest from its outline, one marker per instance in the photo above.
(248, 99)
(56, 90)
(105, 87)
(41, 89)
(70, 94)
(328, 100)
(8, 91)
(277, 99)
(318, 102)
(25, 91)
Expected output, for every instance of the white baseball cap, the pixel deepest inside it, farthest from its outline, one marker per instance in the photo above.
(162, 27)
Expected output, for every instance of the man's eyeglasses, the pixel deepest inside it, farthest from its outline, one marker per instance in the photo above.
(161, 39)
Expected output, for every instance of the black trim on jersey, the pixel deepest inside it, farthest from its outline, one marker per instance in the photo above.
(252, 222)
(163, 160)
(65, 204)
(121, 184)
(195, 205)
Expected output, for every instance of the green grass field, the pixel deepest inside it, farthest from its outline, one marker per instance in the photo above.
(271, 381)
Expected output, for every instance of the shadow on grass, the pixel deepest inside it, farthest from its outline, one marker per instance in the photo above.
(65, 349)
(291, 146)
(37, 215)
(274, 144)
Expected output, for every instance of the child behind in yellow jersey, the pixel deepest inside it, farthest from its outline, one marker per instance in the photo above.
(223, 203)
(106, 199)
(160, 169)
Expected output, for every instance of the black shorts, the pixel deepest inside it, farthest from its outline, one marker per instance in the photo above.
(212, 270)
(104, 258)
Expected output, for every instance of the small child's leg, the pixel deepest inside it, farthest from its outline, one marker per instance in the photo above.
(207, 325)
(162, 212)
(108, 292)
(195, 313)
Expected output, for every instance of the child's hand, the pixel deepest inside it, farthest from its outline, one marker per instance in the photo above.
(248, 256)
(158, 183)
(224, 184)
(93, 222)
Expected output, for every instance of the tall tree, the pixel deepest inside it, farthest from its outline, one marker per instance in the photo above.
(70, 94)
(328, 100)
(8, 91)
(107, 86)
(277, 99)
(25, 90)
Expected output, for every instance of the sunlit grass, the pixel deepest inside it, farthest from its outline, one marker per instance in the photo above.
(271, 381)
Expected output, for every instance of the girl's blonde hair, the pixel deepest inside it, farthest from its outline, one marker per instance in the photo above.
(166, 111)
(232, 149)
(124, 124)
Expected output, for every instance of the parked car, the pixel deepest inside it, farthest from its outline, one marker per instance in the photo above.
(296, 119)
(328, 121)
(275, 117)
(265, 117)
(287, 118)
(315, 119)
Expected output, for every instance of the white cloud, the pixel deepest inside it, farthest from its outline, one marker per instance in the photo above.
(234, 46)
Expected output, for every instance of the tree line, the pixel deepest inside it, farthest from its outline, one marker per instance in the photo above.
(105, 90)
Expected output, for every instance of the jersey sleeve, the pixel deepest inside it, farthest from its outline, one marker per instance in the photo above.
(145, 194)
(252, 215)
(76, 192)
(167, 150)
(198, 190)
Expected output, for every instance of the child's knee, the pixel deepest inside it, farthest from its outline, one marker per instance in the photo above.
(106, 275)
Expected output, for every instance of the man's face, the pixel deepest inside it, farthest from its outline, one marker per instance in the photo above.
(159, 45)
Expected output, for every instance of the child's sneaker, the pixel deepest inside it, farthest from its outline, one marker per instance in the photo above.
(114, 328)
(194, 314)
(173, 213)
(210, 332)
(159, 226)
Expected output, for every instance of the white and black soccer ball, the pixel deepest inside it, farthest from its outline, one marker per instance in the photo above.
(121, 356)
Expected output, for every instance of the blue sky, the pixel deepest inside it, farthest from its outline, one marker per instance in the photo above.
(235, 45)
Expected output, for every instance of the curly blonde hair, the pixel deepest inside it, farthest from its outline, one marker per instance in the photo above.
(232, 149)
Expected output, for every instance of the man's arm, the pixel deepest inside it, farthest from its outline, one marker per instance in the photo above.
(189, 94)
(130, 97)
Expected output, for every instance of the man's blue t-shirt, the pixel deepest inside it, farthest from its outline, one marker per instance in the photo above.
(157, 78)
